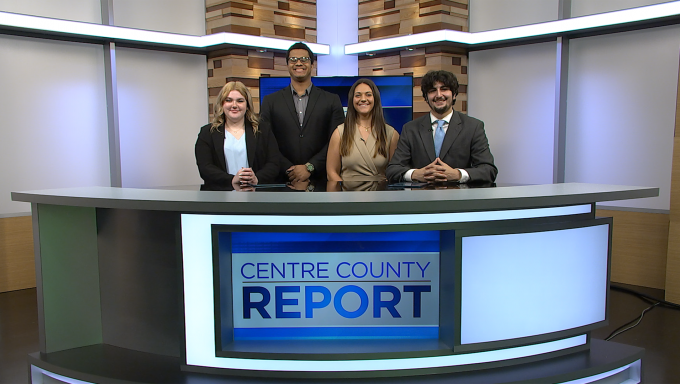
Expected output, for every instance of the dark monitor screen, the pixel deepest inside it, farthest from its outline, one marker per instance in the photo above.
(396, 93)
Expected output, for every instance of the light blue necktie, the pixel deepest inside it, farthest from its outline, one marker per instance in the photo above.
(439, 136)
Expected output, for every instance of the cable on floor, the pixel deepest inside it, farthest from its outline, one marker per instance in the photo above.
(646, 298)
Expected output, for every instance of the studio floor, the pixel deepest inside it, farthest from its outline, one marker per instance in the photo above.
(658, 333)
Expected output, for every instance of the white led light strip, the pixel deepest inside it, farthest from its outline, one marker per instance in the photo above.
(633, 366)
(37, 24)
(560, 26)
(396, 364)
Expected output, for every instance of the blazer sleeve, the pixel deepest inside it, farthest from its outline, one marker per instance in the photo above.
(268, 152)
(482, 166)
(207, 160)
(337, 117)
(401, 160)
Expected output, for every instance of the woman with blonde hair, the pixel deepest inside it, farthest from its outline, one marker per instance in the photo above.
(234, 149)
(362, 146)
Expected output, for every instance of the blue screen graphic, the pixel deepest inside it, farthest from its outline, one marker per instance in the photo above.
(358, 285)
(396, 93)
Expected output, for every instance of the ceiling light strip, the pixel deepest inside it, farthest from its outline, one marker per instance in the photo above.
(608, 19)
(81, 29)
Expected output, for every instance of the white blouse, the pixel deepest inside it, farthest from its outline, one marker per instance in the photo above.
(235, 153)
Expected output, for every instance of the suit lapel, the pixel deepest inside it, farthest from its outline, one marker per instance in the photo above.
(425, 131)
(251, 143)
(218, 142)
(455, 126)
(314, 95)
(287, 95)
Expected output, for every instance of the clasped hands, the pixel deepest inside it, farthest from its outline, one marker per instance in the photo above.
(436, 171)
(297, 173)
(244, 178)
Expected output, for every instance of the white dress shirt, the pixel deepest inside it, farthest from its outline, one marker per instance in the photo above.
(464, 177)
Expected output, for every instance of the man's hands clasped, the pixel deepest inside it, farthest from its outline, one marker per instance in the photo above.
(436, 172)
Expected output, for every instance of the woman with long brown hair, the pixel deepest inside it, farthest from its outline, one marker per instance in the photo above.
(234, 150)
(362, 146)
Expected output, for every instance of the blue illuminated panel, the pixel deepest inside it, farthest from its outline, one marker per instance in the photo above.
(362, 285)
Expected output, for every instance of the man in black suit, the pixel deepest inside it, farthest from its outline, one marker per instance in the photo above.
(302, 117)
(444, 145)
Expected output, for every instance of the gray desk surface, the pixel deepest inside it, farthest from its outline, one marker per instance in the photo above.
(335, 203)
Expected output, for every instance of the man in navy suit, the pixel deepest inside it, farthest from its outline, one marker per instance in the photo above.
(444, 145)
(302, 118)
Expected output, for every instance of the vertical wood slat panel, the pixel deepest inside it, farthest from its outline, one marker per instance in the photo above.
(673, 256)
(17, 260)
(639, 246)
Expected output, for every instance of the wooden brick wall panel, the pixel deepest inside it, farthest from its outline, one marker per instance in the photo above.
(264, 15)
(292, 19)
(287, 18)
(370, 63)
(366, 7)
(412, 17)
(364, 35)
(380, 18)
(210, 3)
(409, 11)
(303, 7)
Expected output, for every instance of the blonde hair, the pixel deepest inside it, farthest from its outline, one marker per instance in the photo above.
(218, 111)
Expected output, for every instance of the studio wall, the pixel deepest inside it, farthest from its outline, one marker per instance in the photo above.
(53, 113)
(513, 91)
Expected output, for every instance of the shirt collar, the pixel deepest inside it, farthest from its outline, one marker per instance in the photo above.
(446, 118)
(307, 91)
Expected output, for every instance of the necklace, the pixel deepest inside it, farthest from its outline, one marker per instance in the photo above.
(365, 128)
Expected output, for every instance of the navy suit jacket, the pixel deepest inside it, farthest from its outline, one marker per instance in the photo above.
(263, 156)
(309, 143)
(465, 147)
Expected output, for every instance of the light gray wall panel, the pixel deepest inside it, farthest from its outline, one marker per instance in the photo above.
(177, 16)
(52, 117)
(77, 10)
(162, 103)
(621, 111)
(494, 14)
(513, 91)
(590, 7)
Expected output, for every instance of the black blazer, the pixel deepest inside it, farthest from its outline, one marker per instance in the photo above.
(263, 156)
(309, 143)
(465, 147)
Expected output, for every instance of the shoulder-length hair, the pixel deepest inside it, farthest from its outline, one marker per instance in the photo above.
(377, 121)
(218, 111)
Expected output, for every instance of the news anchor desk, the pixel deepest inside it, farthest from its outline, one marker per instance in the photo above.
(483, 285)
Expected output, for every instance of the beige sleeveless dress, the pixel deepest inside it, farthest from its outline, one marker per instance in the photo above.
(360, 163)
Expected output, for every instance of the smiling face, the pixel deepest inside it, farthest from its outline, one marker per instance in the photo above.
(298, 70)
(363, 99)
(440, 98)
(234, 106)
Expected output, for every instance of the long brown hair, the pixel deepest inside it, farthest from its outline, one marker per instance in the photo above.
(377, 121)
(218, 115)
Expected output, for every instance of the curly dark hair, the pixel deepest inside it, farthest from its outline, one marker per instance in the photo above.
(301, 46)
(447, 78)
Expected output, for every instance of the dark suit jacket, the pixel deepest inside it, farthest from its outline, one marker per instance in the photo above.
(309, 143)
(465, 146)
(263, 156)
